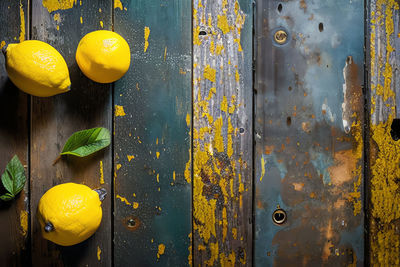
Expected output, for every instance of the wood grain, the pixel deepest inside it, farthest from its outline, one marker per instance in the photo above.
(152, 144)
(14, 215)
(54, 119)
(222, 133)
(384, 157)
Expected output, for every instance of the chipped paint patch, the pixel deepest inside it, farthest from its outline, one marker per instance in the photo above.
(23, 221)
(123, 199)
(119, 111)
(130, 157)
(146, 38)
(101, 172)
(209, 73)
(53, 5)
(223, 24)
(262, 168)
(98, 253)
(161, 250)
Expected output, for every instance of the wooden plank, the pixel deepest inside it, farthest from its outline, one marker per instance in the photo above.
(152, 108)
(309, 133)
(62, 24)
(14, 215)
(222, 133)
(384, 151)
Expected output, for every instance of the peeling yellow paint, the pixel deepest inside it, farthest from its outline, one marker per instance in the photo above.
(23, 221)
(81, 20)
(135, 205)
(56, 17)
(237, 76)
(157, 154)
(123, 200)
(101, 24)
(190, 256)
(2, 44)
(146, 38)
(234, 233)
(209, 73)
(158, 177)
(119, 111)
(188, 120)
(227, 261)
(223, 24)
(22, 25)
(218, 138)
(214, 254)
(98, 253)
(118, 166)
(101, 172)
(219, 49)
(173, 176)
(53, 5)
(224, 104)
(130, 157)
(118, 4)
(161, 250)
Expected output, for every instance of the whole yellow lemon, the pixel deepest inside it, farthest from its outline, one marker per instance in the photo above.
(103, 56)
(70, 213)
(37, 68)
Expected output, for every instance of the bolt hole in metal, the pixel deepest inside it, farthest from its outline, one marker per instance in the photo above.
(280, 36)
(321, 27)
(289, 121)
(241, 130)
(280, 8)
(202, 33)
(395, 129)
(279, 216)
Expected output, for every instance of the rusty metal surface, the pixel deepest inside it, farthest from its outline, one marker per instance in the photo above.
(308, 133)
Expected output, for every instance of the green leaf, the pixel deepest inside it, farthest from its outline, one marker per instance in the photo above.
(86, 142)
(13, 178)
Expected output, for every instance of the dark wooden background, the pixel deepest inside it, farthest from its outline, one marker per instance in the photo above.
(191, 133)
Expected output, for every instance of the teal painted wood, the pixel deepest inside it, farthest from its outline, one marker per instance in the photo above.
(14, 235)
(54, 119)
(152, 141)
(309, 133)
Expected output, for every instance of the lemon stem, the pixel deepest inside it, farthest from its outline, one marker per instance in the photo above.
(48, 227)
(56, 160)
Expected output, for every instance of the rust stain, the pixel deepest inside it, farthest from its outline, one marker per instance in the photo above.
(342, 171)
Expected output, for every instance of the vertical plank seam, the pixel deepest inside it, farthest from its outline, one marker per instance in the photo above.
(191, 134)
(112, 148)
(366, 130)
(29, 151)
(253, 118)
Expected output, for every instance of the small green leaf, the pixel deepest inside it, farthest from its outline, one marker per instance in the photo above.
(86, 142)
(13, 178)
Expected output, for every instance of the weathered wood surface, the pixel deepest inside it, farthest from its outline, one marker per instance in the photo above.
(14, 123)
(308, 133)
(152, 200)
(384, 151)
(54, 119)
(222, 133)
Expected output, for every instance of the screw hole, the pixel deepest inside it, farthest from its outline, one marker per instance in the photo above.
(321, 27)
(395, 129)
(202, 33)
(279, 216)
(289, 121)
(280, 8)
(241, 130)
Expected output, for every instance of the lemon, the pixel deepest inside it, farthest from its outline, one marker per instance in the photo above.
(103, 56)
(70, 213)
(37, 68)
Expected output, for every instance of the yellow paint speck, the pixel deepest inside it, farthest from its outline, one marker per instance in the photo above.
(98, 253)
(209, 73)
(165, 53)
(119, 111)
(146, 38)
(135, 205)
(100, 10)
(101, 172)
(237, 76)
(81, 20)
(53, 5)
(118, 4)
(23, 220)
(224, 104)
(173, 176)
(2, 44)
(101, 24)
(262, 168)
(158, 178)
(56, 17)
(123, 200)
(158, 155)
(188, 120)
(22, 30)
(58, 27)
(130, 157)
(161, 250)
(119, 166)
